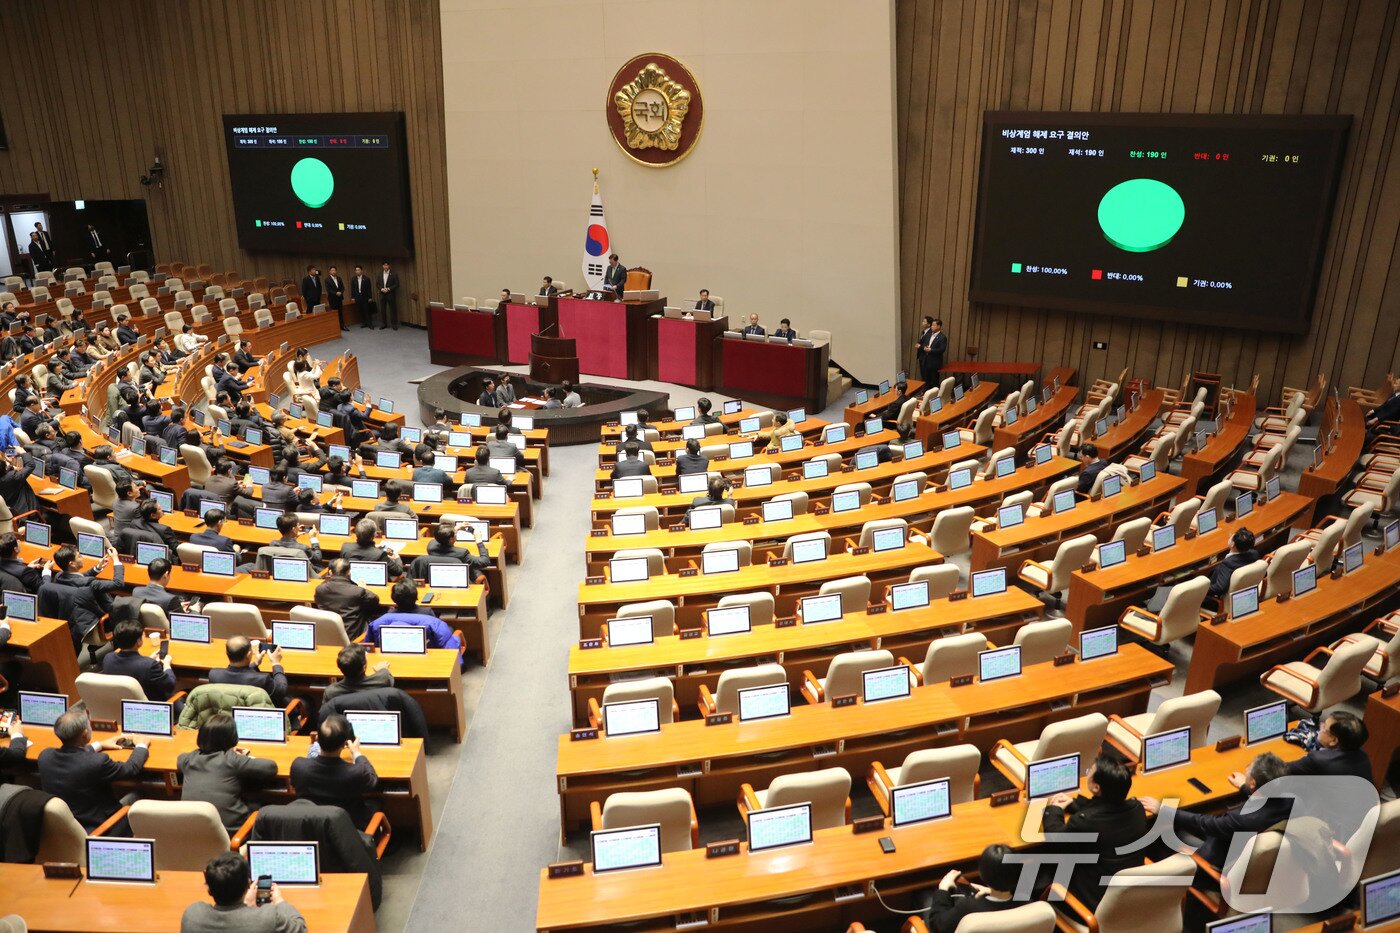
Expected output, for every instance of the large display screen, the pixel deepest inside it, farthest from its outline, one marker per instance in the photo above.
(1200, 219)
(334, 184)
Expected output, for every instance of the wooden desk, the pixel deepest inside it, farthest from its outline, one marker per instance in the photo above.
(1341, 458)
(338, 903)
(711, 762)
(988, 368)
(71, 502)
(465, 336)
(1200, 467)
(1285, 631)
(694, 661)
(48, 645)
(1098, 598)
(1383, 722)
(402, 770)
(763, 891)
(1038, 538)
(773, 373)
(1123, 438)
(669, 426)
(600, 602)
(434, 679)
(857, 413)
(1028, 429)
(927, 428)
(608, 450)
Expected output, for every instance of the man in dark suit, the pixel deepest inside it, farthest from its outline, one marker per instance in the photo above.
(81, 774)
(704, 304)
(96, 248)
(335, 295)
(388, 290)
(754, 327)
(338, 593)
(212, 535)
(952, 901)
(482, 472)
(631, 464)
(148, 527)
(30, 575)
(615, 276)
(231, 382)
(157, 678)
(1093, 466)
(1242, 553)
(287, 527)
(932, 346)
(330, 780)
(157, 591)
(362, 293)
(426, 471)
(488, 394)
(42, 258)
(1108, 820)
(243, 669)
(81, 598)
(311, 288)
(126, 333)
(785, 330)
(1342, 737)
(1217, 831)
(354, 679)
(244, 356)
(547, 289)
(44, 237)
(692, 461)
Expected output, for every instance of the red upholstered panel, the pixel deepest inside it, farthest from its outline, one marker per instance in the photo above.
(599, 330)
(675, 351)
(466, 332)
(521, 322)
(764, 367)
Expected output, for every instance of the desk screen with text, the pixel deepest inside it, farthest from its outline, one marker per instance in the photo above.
(328, 183)
(1191, 218)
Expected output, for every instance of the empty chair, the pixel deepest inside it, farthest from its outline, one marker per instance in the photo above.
(725, 698)
(982, 428)
(863, 490)
(191, 553)
(671, 807)
(1082, 735)
(1215, 498)
(957, 763)
(104, 490)
(1385, 662)
(659, 689)
(867, 531)
(1046, 505)
(1325, 547)
(843, 675)
(948, 657)
(174, 321)
(103, 694)
(263, 316)
(61, 837)
(855, 592)
(1180, 615)
(1353, 525)
(806, 536)
(743, 548)
(761, 606)
(1042, 641)
(1133, 533)
(1376, 488)
(662, 612)
(1136, 900)
(989, 470)
(149, 306)
(827, 790)
(1378, 838)
(1053, 578)
(798, 500)
(1159, 453)
(1253, 481)
(1251, 574)
(1181, 516)
(188, 833)
(1196, 710)
(1315, 688)
(229, 619)
(330, 627)
(651, 516)
(1278, 577)
(88, 527)
(951, 533)
(656, 561)
(942, 579)
(232, 326)
(197, 463)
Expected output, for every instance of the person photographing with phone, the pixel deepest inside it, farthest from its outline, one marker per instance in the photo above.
(240, 903)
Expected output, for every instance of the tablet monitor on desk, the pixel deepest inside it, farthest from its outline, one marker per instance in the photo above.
(332, 524)
(223, 424)
(446, 462)
(266, 518)
(808, 550)
(989, 582)
(1265, 722)
(186, 626)
(1244, 602)
(295, 636)
(1112, 485)
(1064, 501)
(952, 440)
(814, 469)
(630, 630)
(291, 569)
(1380, 899)
(887, 539)
(693, 432)
(169, 456)
(430, 492)
(935, 405)
(1005, 467)
(731, 620)
(1353, 557)
(998, 663)
(39, 534)
(1207, 520)
(91, 545)
(217, 563)
(165, 500)
(411, 435)
(364, 488)
(790, 442)
(1304, 580)
(1031, 403)
(768, 702)
(253, 435)
(886, 683)
(960, 479)
(495, 494)
(1244, 504)
(629, 523)
(453, 576)
(1244, 923)
(629, 847)
(834, 433)
(1163, 537)
(776, 827)
(921, 802)
(909, 595)
(777, 510)
(1010, 416)
(720, 560)
(1166, 749)
(749, 425)
(626, 418)
(702, 519)
(631, 717)
(1009, 516)
(733, 406)
(1272, 488)
(958, 392)
(370, 572)
(758, 476)
(866, 459)
(1051, 776)
(883, 387)
(628, 570)
(1098, 643)
(693, 482)
(913, 450)
(1147, 471)
(41, 709)
(146, 717)
(1042, 454)
(403, 639)
(816, 609)
(146, 552)
(388, 459)
(259, 476)
(627, 488)
(289, 863)
(1392, 535)
(21, 606)
(457, 439)
(260, 724)
(400, 529)
(905, 490)
(684, 413)
(385, 405)
(1101, 427)
(377, 728)
(797, 415)
(1112, 553)
(872, 426)
(121, 861)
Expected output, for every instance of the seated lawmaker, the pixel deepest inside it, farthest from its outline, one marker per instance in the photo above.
(482, 472)
(1242, 554)
(212, 535)
(753, 326)
(352, 602)
(426, 471)
(631, 464)
(352, 662)
(288, 527)
(998, 874)
(1341, 739)
(505, 390)
(488, 394)
(704, 303)
(1217, 830)
(156, 677)
(571, 397)
(1108, 821)
(692, 461)
(547, 288)
(501, 447)
(236, 907)
(444, 544)
(702, 409)
(1093, 466)
(365, 547)
(785, 330)
(405, 596)
(243, 669)
(16, 574)
(81, 773)
(632, 434)
(221, 773)
(717, 493)
(156, 593)
(330, 780)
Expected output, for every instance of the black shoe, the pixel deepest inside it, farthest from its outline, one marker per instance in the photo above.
(344, 329)
(383, 326)
(396, 327)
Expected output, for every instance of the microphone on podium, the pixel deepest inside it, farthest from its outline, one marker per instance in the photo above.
(542, 332)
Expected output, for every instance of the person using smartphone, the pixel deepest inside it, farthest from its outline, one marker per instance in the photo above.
(237, 905)
(955, 899)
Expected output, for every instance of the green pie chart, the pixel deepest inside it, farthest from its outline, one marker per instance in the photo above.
(312, 182)
(1141, 214)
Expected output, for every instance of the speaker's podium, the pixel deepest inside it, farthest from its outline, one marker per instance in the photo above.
(553, 359)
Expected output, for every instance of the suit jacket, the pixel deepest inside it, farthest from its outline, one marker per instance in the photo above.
(356, 605)
(274, 683)
(40, 256)
(938, 349)
(311, 291)
(82, 599)
(158, 595)
(335, 292)
(343, 847)
(631, 468)
(216, 541)
(948, 910)
(615, 277)
(1217, 831)
(706, 305)
(548, 291)
(389, 280)
(14, 489)
(691, 463)
(1089, 474)
(30, 577)
(362, 290)
(754, 329)
(335, 782)
(485, 475)
(1116, 824)
(1333, 761)
(221, 778)
(374, 680)
(787, 333)
(431, 474)
(1220, 576)
(83, 779)
(156, 682)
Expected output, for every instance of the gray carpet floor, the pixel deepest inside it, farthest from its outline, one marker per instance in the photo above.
(494, 796)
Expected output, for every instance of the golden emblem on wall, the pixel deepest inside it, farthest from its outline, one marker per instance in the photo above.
(655, 111)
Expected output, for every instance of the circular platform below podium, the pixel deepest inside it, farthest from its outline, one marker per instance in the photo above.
(457, 390)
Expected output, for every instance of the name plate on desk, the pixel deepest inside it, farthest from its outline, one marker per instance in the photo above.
(876, 609)
(190, 568)
(126, 558)
(1062, 659)
(193, 514)
(858, 551)
(686, 634)
(957, 595)
(1338, 924)
(751, 520)
(674, 528)
(688, 572)
(870, 824)
(777, 562)
(820, 510)
(566, 869)
(790, 621)
(719, 719)
(598, 533)
(592, 581)
(847, 700)
(1005, 797)
(722, 848)
(103, 725)
(669, 491)
(1228, 743)
(582, 735)
(585, 644)
(245, 522)
(63, 870)
(259, 574)
(960, 680)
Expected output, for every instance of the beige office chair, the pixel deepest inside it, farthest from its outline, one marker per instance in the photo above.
(648, 688)
(153, 618)
(1083, 735)
(1064, 441)
(104, 490)
(957, 763)
(1279, 576)
(1276, 420)
(948, 657)
(229, 619)
(88, 527)
(1035, 917)
(1113, 469)
(191, 553)
(1196, 710)
(188, 833)
(61, 837)
(1133, 534)
(1251, 574)
(827, 790)
(862, 490)
(1267, 863)
(867, 531)
(1142, 899)
(1159, 454)
(1353, 525)
(761, 606)
(744, 549)
(656, 560)
(1385, 662)
(806, 536)
(263, 316)
(917, 476)
(102, 694)
(798, 500)
(1053, 578)
(197, 464)
(855, 592)
(662, 612)
(952, 531)
(1041, 642)
(942, 579)
(671, 807)
(1315, 688)
(1255, 480)
(725, 698)
(1180, 616)
(981, 430)
(1046, 505)
(1376, 843)
(174, 321)
(843, 675)
(1325, 547)
(330, 627)
(990, 467)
